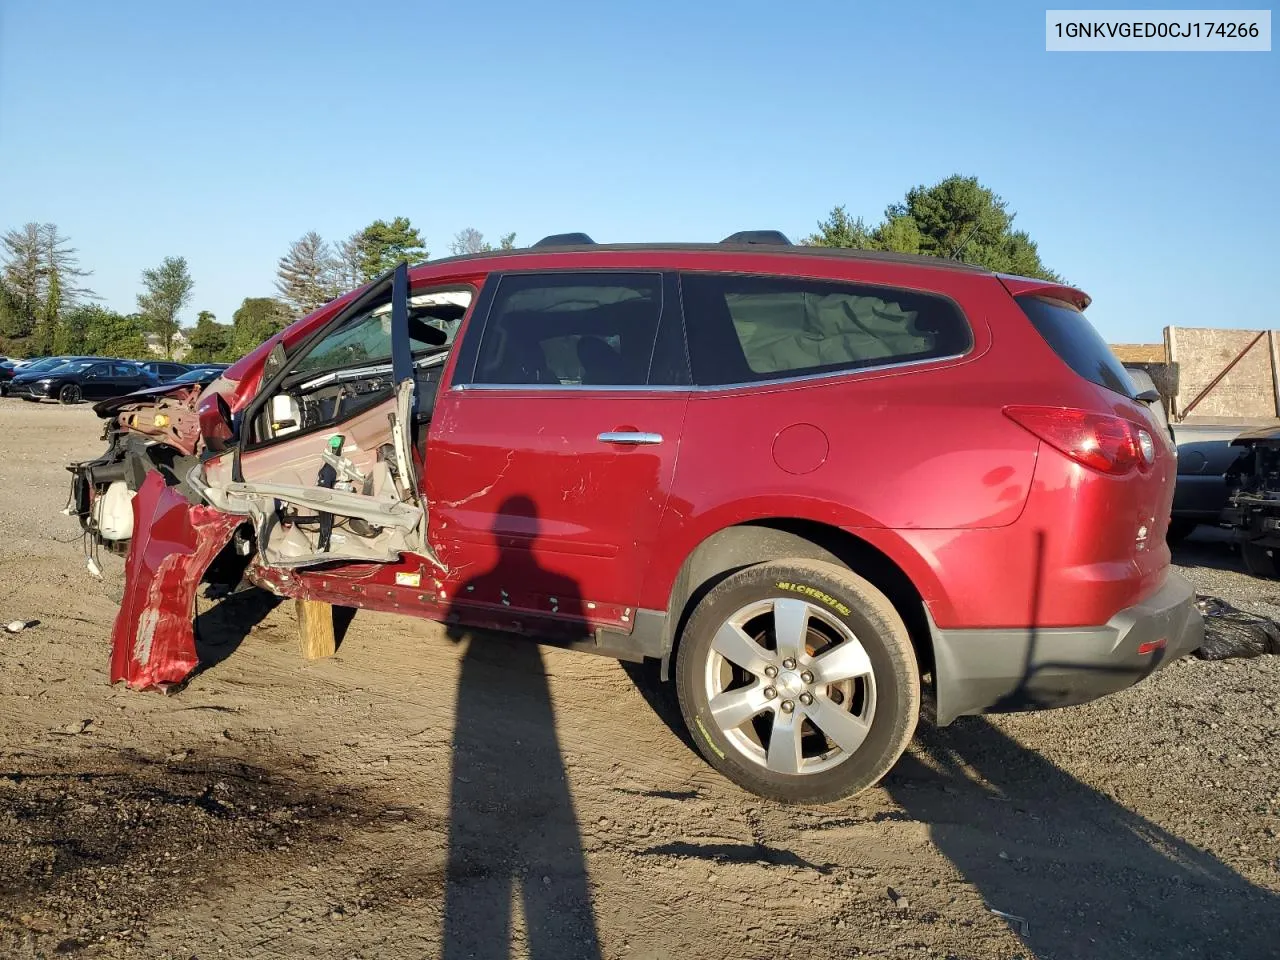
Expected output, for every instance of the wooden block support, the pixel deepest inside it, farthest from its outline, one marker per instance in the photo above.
(315, 629)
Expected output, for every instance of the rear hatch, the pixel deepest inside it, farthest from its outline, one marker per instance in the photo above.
(1139, 498)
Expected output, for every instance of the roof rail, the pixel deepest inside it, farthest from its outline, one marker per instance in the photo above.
(565, 240)
(771, 237)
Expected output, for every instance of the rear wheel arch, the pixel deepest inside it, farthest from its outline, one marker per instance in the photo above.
(734, 548)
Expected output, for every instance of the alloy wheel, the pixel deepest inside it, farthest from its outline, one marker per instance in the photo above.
(790, 686)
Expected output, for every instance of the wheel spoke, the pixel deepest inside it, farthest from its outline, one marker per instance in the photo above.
(733, 708)
(790, 624)
(732, 643)
(843, 662)
(843, 728)
(784, 743)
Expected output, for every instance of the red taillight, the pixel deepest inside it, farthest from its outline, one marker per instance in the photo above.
(1107, 444)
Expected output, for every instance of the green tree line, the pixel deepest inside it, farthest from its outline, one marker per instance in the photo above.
(46, 306)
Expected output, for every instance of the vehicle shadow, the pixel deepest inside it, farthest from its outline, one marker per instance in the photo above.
(1080, 875)
(220, 629)
(513, 830)
(1208, 547)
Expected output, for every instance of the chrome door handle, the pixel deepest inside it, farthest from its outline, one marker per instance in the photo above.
(631, 438)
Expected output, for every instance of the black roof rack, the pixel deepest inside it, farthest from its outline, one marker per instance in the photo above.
(756, 249)
(771, 237)
(565, 240)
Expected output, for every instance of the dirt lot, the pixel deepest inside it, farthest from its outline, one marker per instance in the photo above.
(417, 796)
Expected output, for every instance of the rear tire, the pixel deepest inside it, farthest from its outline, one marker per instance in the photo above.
(1179, 529)
(798, 681)
(69, 394)
(1260, 561)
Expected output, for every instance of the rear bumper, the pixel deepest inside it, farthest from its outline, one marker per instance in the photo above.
(996, 671)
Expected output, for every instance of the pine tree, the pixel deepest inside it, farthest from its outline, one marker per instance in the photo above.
(383, 244)
(350, 256)
(307, 277)
(38, 260)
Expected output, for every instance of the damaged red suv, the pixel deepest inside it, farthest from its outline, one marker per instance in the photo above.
(809, 483)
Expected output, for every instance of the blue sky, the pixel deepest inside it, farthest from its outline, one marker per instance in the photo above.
(222, 131)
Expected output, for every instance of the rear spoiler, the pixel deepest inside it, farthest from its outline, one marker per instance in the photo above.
(1028, 287)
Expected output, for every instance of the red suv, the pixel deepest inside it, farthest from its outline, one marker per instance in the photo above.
(806, 481)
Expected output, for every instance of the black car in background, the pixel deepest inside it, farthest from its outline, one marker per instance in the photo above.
(201, 373)
(88, 379)
(6, 374)
(10, 370)
(165, 370)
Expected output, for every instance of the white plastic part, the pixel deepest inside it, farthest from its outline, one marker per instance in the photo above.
(113, 512)
(285, 415)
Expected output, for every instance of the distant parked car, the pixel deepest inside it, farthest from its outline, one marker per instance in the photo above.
(165, 370)
(7, 368)
(147, 429)
(20, 368)
(92, 379)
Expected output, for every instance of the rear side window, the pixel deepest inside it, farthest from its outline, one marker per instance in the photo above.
(1074, 340)
(571, 330)
(745, 329)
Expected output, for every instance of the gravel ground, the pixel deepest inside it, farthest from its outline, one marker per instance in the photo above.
(417, 796)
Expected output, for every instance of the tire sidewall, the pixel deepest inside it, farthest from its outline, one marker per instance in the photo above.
(867, 614)
(69, 393)
(1258, 562)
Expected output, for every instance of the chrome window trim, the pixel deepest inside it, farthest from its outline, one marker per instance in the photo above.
(661, 388)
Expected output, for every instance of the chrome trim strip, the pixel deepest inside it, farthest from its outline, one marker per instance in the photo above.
(658, 388)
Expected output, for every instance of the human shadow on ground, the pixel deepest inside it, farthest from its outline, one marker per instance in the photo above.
(513, 830)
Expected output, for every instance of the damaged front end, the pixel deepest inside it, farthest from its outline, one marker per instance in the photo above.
(314, 466)
(152, 430)
(1253, 485)
(153, 640)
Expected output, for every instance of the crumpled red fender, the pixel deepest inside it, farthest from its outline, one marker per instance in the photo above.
(153, 641)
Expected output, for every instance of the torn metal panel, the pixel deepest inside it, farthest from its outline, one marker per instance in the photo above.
(153, 642)
(394, 526)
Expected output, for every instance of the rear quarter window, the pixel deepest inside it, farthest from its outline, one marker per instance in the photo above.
(747, 329)
(1072, 337)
